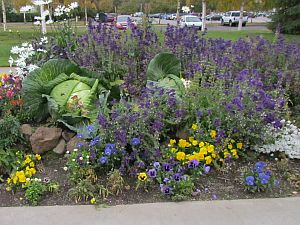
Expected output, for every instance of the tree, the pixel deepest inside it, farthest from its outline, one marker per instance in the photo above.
(4, 15)
(287, 17)
(203, 15)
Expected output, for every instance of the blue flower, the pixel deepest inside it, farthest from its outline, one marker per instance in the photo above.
(206, 168)
(156, 165)
(135, 141)
(193, 164)
(103, 160)
(109, 149)
(90, 129)
(79, 145)
(166, 190)
(250, 180)
(166, 180)
(259, 167)
(177, 177)
(80, 136)
(167, 167)
(152, 173)
(264, 178)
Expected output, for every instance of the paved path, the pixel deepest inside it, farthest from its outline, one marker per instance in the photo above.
(237, 212)
(4, 69)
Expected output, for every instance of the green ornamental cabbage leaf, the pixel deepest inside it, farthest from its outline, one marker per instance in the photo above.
(164, 71)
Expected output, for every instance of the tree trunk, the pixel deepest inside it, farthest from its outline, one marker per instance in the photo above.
(4, 15)
(241, 16)
(44, 29)
(203, 15)
(85, 13)
(177, 13)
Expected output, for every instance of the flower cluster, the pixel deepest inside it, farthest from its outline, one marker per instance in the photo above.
(10, 97)
(24, 174)
(25, 54)
(285, 139)
(61, 10)
(259, 178)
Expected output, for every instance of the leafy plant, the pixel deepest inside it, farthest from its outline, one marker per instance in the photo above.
(165, 69)
(9, 132)
(35, 191)
(9, 160)
(83, 190)
(115, 182)
(55, 89)
(259, 178)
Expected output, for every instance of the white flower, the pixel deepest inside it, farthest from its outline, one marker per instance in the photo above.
(87, 157)
(65, 168)
(67, 152)
(49, 21)
(75, 149)
(28, 179)
(41, 2)
(80, 158)
(73, 160)
(73, 5)
(37, 22)
(10, 61)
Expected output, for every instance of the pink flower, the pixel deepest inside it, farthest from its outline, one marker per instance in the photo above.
(9, 94)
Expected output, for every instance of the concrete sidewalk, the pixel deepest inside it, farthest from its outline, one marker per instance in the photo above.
(236, 212)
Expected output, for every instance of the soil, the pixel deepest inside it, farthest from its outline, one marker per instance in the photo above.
(224, 184)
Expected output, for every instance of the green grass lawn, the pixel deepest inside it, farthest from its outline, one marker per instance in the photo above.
(25, 33)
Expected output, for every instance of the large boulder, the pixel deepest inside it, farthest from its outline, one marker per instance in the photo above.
(61, 147)
(67, 135)
(45, 139)
(26, 130)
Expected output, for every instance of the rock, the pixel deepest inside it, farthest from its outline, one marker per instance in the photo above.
(61, 147)
(26, 130)
(67, 135)
(45, 139)
(72, 144)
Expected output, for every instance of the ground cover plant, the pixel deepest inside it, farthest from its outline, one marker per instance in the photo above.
(166, 113)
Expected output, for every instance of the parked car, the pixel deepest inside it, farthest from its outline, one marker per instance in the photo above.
(190, 21)
(173, 16)
(232, 18)
(122, 22)
(155, 15)
(101, 17)
(111, 17)
(214, 17)
(138, 14)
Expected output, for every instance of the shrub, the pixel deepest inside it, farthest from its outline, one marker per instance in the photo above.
(10, 132)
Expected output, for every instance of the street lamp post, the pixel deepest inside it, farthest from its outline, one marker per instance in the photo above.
(177, 13)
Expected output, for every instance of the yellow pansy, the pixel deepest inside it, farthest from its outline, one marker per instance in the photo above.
(210, 148)
(93, 201)
(15, 179)
(183, 143)
(213, 155)
(31, 164)
(195, 143)
(208, 160)
(239, 145)
(229, 146)
(191, 157)
(33, 171)
(26, 161)
(203, 150)
(180, 156)
(142, 176)
(234, 153)
(232, 141)
(201, 144)
(226, 154)
(191, 139)
(38, 157)
(8, 180)
(199, 156)
(172, 141)
(213, 133)
(194, 126)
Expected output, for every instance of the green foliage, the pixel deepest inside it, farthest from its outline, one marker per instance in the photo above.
(164, 69)
(287, 17)
(9, 160)
(82, 191)
(40, 82)
(9, 132)
(183, 190)
(35, 191)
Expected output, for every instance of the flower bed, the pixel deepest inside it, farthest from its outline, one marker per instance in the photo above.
(153, 112)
